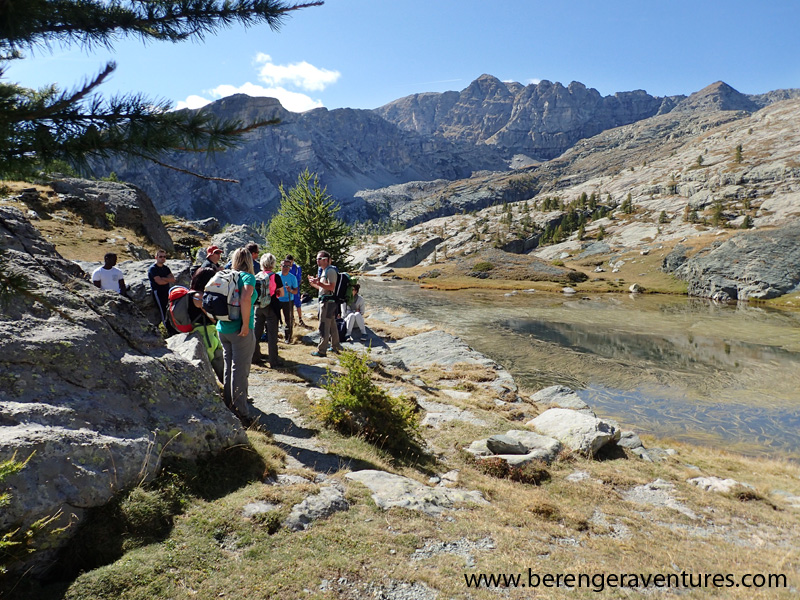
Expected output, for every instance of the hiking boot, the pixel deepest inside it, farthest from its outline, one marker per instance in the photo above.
(317, 353)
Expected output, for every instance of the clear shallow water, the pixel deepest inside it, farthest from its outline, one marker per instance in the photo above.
(727, 376)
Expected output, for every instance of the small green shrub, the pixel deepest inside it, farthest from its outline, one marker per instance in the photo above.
(483, 266)
(147, 514)
(356, 406)
(271, 521)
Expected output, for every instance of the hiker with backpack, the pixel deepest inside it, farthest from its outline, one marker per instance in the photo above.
(204, 324)
(186, 314)
(326, 284)
(270, 288)
(230, 296)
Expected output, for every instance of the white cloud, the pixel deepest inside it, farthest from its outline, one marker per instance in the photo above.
(192, 102)
(302, 75)
(292, 101)
(534, 81)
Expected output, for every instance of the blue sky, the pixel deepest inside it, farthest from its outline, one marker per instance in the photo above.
(365, 53)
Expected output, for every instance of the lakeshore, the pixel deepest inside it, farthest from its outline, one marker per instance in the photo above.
(687, 369)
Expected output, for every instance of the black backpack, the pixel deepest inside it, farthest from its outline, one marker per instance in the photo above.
(343, 290)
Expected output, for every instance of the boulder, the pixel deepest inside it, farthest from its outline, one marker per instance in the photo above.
(578, 431)
(716, 484)
(191, 347)
(89, 391)
(329, 500)
(234, 236)
(414, 255)
(394, 491)
(478, 448)
(560, 396)
(629, 439)
(542, 447)
(106, 203)
(209, 225)
(503, 444)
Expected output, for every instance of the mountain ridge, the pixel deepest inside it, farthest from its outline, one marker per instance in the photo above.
(488, 126)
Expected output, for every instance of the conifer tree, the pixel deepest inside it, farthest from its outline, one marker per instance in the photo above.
(40, 127)
(306, 223)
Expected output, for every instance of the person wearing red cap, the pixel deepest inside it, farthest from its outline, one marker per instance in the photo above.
(213, 254)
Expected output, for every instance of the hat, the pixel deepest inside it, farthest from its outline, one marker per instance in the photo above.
(213, 250)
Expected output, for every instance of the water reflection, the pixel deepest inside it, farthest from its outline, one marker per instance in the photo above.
(676, 367)
(681, 351)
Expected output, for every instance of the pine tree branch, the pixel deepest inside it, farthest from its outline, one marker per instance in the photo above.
(89, 22)
(65, 102)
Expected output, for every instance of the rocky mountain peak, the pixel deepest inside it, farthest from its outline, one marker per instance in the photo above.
(717, 96)
(487, 85)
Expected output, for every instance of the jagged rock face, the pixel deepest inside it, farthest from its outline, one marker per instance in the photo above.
(89, 391)
(541, 120)
(348, 149)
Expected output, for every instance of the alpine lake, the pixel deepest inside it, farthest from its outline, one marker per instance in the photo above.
(722, 375)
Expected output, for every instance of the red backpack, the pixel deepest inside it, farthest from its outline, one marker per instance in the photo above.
(178, 308)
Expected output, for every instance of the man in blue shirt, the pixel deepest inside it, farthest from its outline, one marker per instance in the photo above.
(290, 290)
(297, 271)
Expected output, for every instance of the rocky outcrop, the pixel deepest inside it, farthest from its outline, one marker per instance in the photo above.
(107, 203)
(88, 391)
(395, 491)
(445, 349)
(758, 264)
(234, 237)
(329, 500)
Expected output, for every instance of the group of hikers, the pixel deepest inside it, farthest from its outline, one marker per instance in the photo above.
(236, 306)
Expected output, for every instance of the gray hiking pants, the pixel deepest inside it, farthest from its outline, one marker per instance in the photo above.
(327, 327)
(237, 352)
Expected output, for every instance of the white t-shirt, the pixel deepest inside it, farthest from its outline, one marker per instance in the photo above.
(108, 278)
